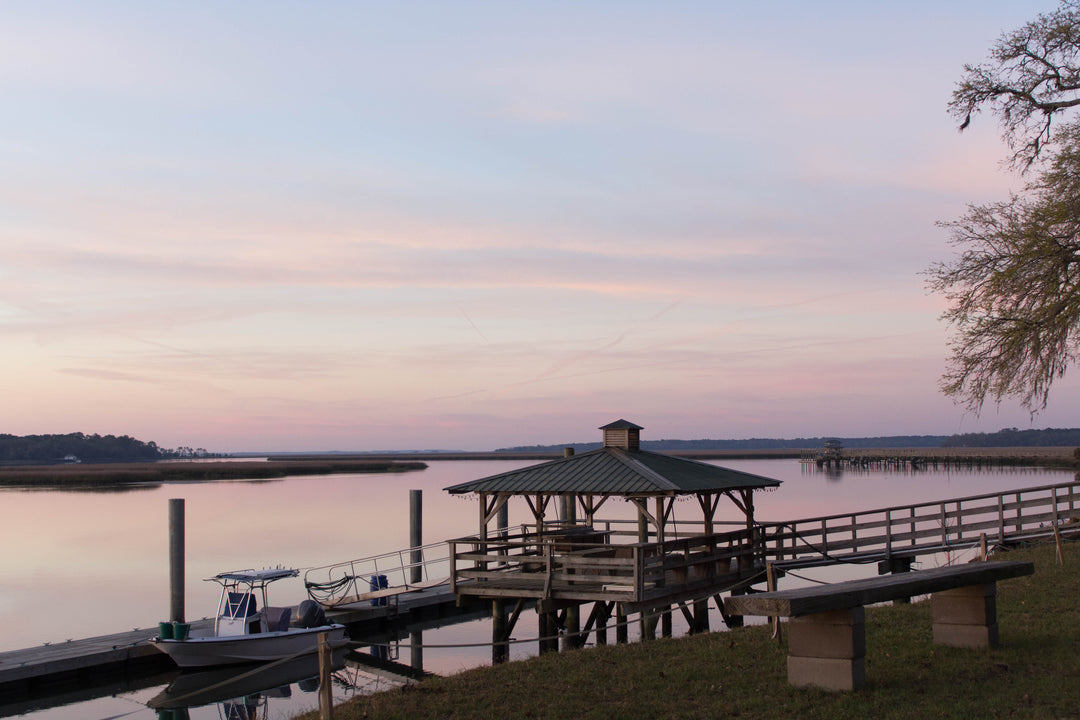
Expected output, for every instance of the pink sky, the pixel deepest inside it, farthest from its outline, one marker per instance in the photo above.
(367, 226)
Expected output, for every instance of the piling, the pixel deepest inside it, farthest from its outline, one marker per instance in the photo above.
(176, 560)
(326, 692)
(416, 535)
(416, 650)
(500, 652)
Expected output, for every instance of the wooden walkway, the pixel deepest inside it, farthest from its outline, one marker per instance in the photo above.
(92, 660)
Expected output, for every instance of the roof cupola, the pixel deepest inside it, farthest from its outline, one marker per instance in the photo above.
(622, 434)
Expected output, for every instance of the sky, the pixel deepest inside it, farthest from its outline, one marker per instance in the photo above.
(271, 226)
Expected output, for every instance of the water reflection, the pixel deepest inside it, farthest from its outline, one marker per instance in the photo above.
(240, 691)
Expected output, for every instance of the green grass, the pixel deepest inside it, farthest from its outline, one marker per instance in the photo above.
(1035, 673)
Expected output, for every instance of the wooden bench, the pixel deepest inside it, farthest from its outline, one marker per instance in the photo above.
(827, 636)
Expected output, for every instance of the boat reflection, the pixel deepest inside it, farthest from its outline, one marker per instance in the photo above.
(242, 692)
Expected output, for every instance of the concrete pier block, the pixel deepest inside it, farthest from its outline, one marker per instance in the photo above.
(966, 636)
(827, 673)
(966, 617)
(828, 650)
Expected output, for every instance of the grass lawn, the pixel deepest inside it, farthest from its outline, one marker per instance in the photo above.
(1035, 673)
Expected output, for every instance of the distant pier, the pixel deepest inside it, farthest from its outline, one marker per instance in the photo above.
(833, 458)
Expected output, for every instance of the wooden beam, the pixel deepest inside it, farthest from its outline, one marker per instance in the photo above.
(738, 503)
(643, 510)
(496, 504)
(708, 503)
(854, 593)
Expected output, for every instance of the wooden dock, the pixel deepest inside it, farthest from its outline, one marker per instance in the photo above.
(96, 661)
(91, 667)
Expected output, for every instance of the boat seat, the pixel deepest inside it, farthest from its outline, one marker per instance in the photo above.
(277, 618)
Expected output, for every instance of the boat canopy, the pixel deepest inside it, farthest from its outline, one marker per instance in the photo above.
(254, 577)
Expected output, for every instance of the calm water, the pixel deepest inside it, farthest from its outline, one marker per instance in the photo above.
(78, 564)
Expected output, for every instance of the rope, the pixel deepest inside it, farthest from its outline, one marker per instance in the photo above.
(326, 591)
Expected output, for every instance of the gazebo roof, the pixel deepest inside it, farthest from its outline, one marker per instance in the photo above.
(617, 471)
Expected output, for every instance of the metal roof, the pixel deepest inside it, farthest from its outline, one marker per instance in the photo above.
(615, 471)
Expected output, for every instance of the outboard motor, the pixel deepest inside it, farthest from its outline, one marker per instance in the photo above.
(310, 614)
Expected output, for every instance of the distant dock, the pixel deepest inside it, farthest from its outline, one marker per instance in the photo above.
(939, 458)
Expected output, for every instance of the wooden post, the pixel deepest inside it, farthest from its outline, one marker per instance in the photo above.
(176, 560)
(416, 535)
(326, 695)
(770, 580)
(500, 652)
(416, 650)
(573, 613)
(622, 633)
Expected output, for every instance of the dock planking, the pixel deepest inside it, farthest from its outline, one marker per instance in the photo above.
(103, 659)
(89, 660)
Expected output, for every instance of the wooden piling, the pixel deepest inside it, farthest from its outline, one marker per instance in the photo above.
(416, 535)
(176, 560)
(500, 652)
(416, 650)
(326, 666)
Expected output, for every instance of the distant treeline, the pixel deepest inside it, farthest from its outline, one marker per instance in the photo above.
(77, 447)
(1011, 437)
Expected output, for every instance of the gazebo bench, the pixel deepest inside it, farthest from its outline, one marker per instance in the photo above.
(827, 632)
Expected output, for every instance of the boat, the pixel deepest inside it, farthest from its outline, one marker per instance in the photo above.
(246, 631)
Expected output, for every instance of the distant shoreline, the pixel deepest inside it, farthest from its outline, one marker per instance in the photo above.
(279, 466)
(135, 473)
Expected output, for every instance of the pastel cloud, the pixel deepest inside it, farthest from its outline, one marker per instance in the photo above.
(236, 230)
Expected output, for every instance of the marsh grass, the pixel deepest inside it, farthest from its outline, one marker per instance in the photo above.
(119, 474)
(742, 673)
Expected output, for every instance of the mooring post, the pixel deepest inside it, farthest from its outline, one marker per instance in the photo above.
(416, 535)
(176, 560)
(326, 693)
(416, 650)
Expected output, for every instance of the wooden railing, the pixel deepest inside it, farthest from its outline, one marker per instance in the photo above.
(1015, 515)
(580, 569)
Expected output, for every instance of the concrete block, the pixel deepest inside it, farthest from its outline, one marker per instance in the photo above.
(963, 609)
(827, 673)
(966, 636)
(807, 638)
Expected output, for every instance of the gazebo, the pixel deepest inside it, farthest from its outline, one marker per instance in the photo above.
(561, 563)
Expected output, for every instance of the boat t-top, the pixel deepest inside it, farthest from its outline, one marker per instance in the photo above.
(248, 629)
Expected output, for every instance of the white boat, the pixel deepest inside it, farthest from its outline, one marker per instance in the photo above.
(245, 631)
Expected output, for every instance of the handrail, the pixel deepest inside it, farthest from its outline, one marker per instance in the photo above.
(927, 527)
(352, 580)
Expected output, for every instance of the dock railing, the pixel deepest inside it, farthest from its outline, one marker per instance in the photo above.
(943, 526)
(580, 568)
(382, 576)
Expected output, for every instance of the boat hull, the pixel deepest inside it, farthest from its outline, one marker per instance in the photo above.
(258, 647)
